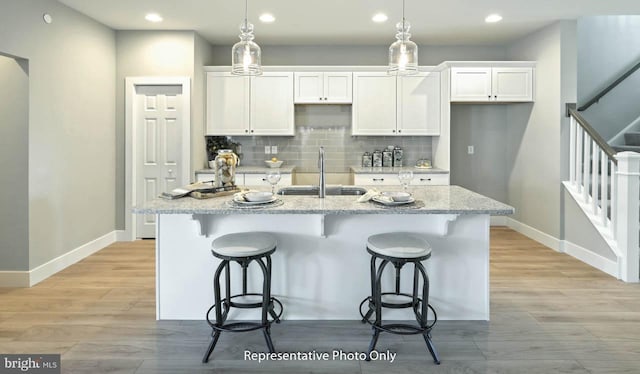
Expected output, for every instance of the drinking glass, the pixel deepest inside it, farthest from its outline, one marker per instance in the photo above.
(273, 177)
(405, 177)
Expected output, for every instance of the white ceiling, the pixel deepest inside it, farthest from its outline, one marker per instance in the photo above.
(443, 22)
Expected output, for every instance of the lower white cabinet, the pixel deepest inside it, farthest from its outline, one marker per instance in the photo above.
(389, 179)
(248, 179)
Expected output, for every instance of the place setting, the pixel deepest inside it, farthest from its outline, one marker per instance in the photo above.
(394, 199)
(258, 199)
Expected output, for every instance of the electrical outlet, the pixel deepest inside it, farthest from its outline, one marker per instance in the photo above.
(274, 149)
(267, 150)
(470, 150)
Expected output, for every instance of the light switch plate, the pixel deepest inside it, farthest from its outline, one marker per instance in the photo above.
(274, 149)
(470, 150)
(267, 149)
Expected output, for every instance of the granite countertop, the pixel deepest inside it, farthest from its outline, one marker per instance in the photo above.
(395, 170)
(430, 200)
(284, 169)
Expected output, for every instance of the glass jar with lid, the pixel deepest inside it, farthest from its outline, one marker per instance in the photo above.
(225, 168)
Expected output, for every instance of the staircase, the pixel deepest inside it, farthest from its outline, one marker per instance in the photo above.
(631, 142)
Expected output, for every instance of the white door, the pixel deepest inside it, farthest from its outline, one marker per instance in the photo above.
(158, 144)
(374, 104)
(419, 104)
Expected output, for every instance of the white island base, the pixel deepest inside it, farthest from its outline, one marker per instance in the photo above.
(321, 266)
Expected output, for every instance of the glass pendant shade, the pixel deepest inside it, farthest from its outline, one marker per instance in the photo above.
(403, 53)
(246, 54)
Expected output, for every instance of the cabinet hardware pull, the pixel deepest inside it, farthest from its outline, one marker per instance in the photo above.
(424, 179)
(246, 130)
(378, 179)
(264, 179)
(320, 99)
(496, 97)
(399, 131)
(251, 130)
(489, 97)
(393, 130)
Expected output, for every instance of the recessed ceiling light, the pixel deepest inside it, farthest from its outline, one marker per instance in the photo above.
(267, 17)
(379, 18)
(153, 17)
(493, 18)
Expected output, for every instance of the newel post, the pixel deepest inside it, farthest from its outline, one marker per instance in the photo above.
(628, 204)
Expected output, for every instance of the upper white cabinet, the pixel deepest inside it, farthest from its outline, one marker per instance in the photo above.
(261, 105)
(491, 84)
(418, 103)
(323, 88)
(386, 105)
(272, 104)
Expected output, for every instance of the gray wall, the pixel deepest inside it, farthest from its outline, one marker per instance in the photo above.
(359, 55)
(150, 53)
(580, 231)
(533, 135)
(203, 56)
(484, 127)
(71, 123)
(607, 47)
(329, 126)
(14, 163)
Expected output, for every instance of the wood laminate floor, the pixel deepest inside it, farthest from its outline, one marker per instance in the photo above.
(550, 313)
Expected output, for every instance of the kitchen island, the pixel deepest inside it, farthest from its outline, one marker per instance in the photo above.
(321, 267)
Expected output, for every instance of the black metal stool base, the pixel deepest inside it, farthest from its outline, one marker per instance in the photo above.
(419, 305)
(267, 304)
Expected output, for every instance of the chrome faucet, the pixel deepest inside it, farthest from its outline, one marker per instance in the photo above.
(322, 182)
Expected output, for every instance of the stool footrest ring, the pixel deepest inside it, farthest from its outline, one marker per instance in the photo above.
(255, 325)
(390, 327)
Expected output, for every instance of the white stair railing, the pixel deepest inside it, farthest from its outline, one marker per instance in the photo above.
(607, 187)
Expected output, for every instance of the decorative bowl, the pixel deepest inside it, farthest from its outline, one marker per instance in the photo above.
(398, 196)
(258, 196)
(274, 164)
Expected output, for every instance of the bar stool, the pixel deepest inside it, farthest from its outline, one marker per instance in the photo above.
(242, 248)
(399, 249)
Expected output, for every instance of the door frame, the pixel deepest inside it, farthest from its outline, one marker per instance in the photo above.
(131, 141)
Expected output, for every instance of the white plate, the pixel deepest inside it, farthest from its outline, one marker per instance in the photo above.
(390, 203)
(258, 196)
(398, 196)
(245, 202)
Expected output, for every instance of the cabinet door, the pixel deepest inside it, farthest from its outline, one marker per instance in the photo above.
(374, 104)
(376, 180)
(512, 84)
(272, 104)
(338, 88)
(227, 104)
(419, 104)
(260, 180)
(308, 88)
(471, 84)
(205, 177)
(430, 180)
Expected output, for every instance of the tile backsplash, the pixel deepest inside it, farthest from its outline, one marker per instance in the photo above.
(328, 126)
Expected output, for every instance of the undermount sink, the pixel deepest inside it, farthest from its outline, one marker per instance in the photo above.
(330, 191)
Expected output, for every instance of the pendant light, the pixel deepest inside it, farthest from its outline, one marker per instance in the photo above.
(403, 53)
(246, 54)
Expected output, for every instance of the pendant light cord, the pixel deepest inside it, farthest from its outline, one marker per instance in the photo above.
(403, 23)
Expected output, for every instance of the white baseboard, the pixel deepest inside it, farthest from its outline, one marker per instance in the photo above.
(44, 271)
(123, 236)
(498, 221)
(588, 257)
(535, 234)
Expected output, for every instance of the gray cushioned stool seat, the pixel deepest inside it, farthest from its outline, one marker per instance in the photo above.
(244, 244)
(399, 244)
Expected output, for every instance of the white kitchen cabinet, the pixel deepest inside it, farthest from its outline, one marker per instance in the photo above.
(323, 88)
(227, 104)
(491, 84)
(260, 105)
(260, 180)
(205, 177)
(272, 104)
(389, 179)
(418, 103)
(386, 105)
